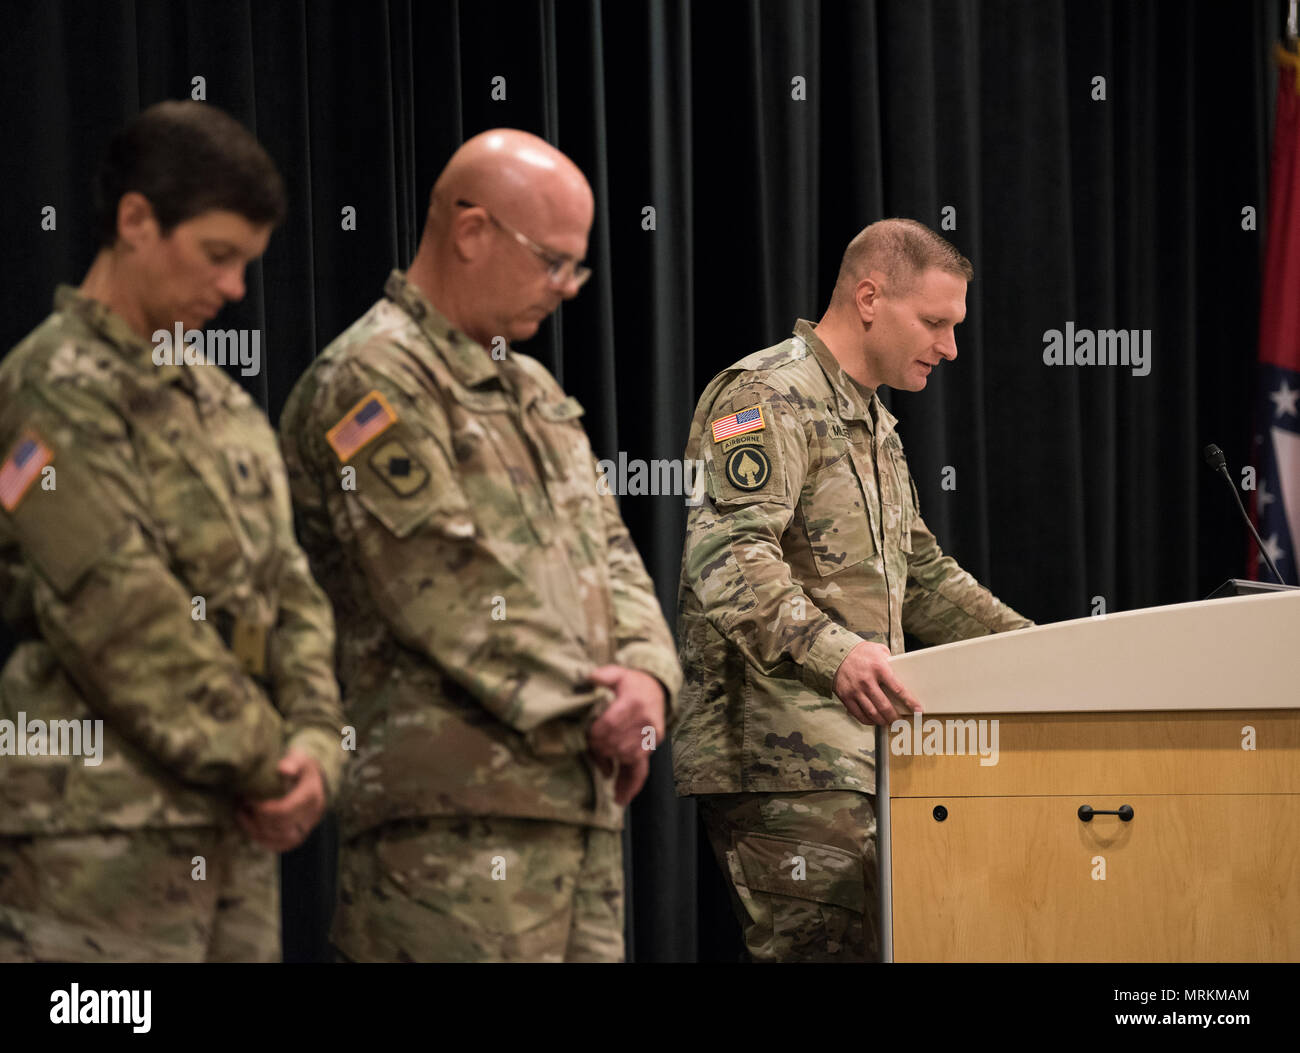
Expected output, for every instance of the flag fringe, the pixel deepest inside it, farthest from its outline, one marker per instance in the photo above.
(1288, 55)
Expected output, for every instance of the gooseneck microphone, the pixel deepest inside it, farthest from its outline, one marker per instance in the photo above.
(1215, 459)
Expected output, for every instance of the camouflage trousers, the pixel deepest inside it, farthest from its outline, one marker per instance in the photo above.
(802, 872)
(139, 896)
(481, 889)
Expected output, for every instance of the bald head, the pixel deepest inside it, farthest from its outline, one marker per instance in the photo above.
(507, 228)
(516, 176)
(900, 251)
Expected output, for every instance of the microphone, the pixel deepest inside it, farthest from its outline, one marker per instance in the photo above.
(1215, 459)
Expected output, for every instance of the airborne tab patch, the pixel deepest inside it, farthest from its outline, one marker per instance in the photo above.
(369, 418)
(738, 423)
(743, 440)
(21, 468)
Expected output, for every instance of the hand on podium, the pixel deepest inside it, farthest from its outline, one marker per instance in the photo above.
(866, 685)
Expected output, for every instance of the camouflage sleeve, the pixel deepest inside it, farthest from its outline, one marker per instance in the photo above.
(118, 619)
(16, 589)
(643, 639)
(733, 555)
(942, 602)
(302, 659)
(442, 573)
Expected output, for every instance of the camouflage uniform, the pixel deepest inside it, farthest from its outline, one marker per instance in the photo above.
(802, 872)
(449, 504)
(151, 574)
(480, 889)
(809, 541)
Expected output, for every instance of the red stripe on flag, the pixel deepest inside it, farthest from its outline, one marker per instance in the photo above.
(1279, 311)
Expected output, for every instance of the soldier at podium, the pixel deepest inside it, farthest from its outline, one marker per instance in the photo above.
(803, 566)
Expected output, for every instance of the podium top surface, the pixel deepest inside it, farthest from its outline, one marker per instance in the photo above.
(1234, 653)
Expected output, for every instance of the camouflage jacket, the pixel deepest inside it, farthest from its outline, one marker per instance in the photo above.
(448, 502)
(145, 528)
(808, 541)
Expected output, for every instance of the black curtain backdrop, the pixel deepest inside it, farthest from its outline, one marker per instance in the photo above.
(1072, 483)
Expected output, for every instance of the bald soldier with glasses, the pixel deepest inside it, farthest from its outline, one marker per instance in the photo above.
(561, 270)
(500, 647)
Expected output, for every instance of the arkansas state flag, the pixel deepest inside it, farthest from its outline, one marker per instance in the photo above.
(1277, 454)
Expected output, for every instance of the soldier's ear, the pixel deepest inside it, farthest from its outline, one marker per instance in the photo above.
(866, 297)
(136, 223)
(469, 230)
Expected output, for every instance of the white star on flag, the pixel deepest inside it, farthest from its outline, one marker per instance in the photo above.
(1284, 398)
(1286, 450)
(1262, 497)
(1273, 549)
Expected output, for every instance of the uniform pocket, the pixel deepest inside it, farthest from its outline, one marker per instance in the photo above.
(806, 901)
(798, 869)
(571, 470)
(835, 518)
(905, 489)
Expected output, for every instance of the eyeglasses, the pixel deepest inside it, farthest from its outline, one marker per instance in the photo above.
(560, 270)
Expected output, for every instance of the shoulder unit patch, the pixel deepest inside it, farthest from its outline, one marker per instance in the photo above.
(395, 465)
(748, 468)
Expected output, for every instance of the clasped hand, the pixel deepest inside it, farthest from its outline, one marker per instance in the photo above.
(283, 823)
(626, 733)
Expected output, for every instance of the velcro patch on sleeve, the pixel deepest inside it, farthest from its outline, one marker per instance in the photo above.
(399, 468)
(64, 527)
(748, 468)
(738, 423)
(364, 422)
(406, 482)
(22, 467)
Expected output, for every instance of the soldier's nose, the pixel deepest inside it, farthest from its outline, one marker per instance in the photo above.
(231, 286)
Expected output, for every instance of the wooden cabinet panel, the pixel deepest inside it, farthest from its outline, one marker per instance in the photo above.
(1114, 753)
(1193, 877)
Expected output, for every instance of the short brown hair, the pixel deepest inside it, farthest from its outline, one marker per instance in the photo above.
(901, 249)
(187, 158)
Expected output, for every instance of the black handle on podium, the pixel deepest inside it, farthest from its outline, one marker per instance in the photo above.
(1086, 812)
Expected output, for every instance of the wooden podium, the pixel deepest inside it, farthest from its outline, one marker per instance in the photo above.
(1189, 716)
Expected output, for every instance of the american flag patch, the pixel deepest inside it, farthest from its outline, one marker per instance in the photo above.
(370, 417)
(738, 423)
(20, 470)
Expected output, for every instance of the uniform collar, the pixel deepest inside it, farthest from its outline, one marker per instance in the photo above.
(467, 359)
(850, 402)
(112, 329)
